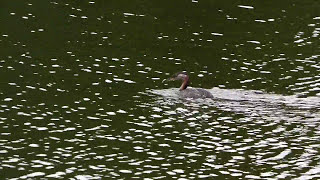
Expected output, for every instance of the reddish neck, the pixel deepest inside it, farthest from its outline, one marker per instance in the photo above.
(185, 84)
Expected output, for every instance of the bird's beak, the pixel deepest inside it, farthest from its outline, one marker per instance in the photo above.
(169, 79)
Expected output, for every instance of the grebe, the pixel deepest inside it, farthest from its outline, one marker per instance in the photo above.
(195, 93)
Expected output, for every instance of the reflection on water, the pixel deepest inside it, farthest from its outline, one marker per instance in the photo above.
(167, 137)
(81, 94)
(271, 131)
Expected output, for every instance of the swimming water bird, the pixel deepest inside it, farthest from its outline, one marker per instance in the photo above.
(195, 93)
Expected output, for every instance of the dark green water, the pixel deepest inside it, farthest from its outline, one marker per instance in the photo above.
(82, 97)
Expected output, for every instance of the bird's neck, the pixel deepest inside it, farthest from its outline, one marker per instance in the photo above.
(184, 84)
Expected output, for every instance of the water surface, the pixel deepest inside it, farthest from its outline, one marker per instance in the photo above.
(82, 95)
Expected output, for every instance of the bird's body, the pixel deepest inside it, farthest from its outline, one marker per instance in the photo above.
(184, 92)
(196, 93)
